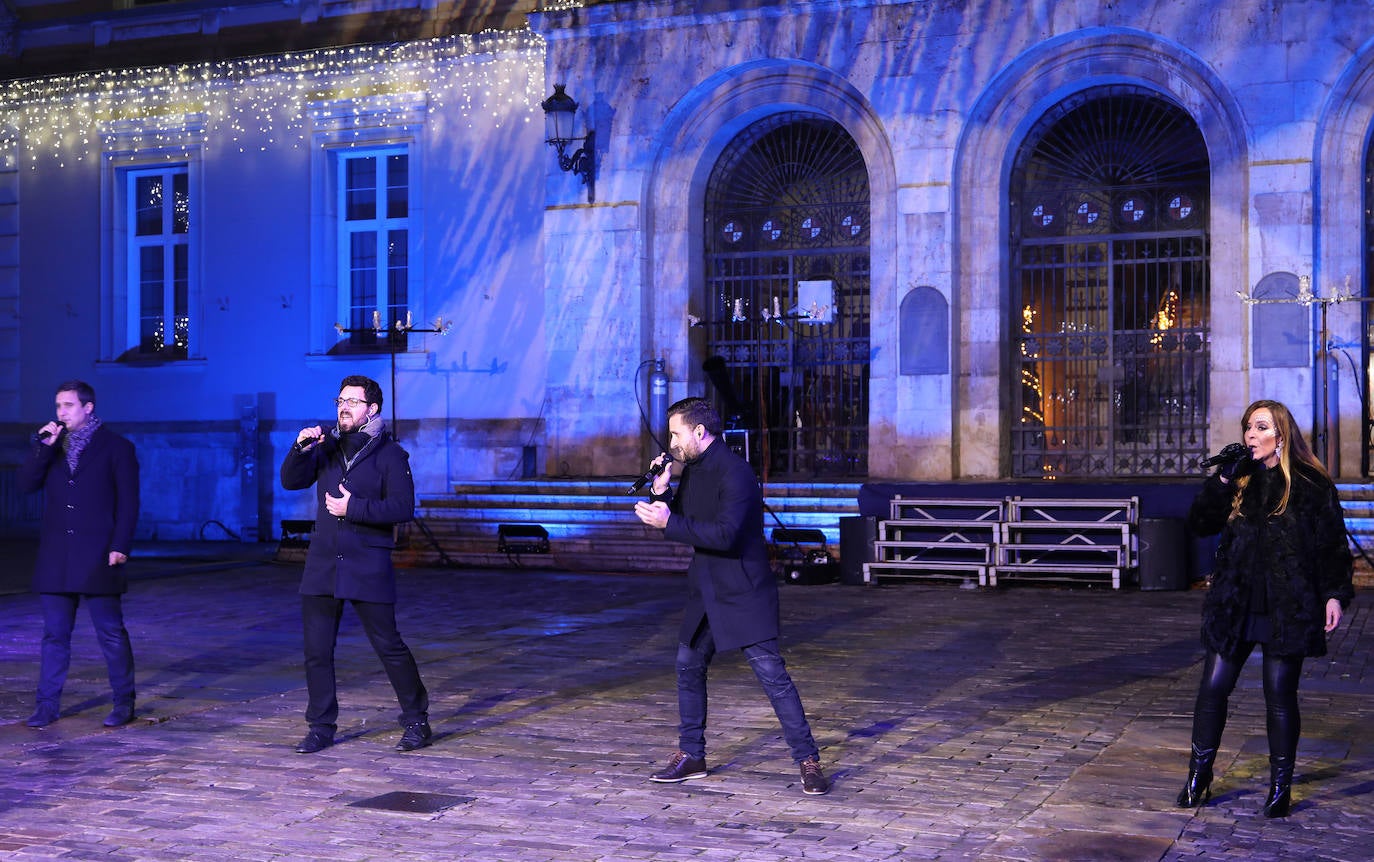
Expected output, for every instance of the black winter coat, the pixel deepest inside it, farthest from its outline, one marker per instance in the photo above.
(718, 510)
(350, 557)
(86, 514)
(1300, 558)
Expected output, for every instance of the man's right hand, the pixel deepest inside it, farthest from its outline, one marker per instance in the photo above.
(664, 479)
(53, 429)
(309, 437)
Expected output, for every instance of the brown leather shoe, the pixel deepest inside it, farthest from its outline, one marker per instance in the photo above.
(680, 768)
(814, 782)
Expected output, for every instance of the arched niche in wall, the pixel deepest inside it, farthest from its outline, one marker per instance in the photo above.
(1282, 330)
(924, 332)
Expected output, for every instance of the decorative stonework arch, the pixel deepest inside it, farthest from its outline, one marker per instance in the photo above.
(997, 124)
(1344, 135)
(695, 133)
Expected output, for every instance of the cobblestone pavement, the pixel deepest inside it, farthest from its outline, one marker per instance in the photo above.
(1017, 724)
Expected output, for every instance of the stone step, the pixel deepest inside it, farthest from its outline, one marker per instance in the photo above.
(1351, 491)
(592, 503)
(591, 523)
(618, 488)
(566, 523)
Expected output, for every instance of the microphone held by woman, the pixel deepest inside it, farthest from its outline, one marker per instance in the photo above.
(1229, 453)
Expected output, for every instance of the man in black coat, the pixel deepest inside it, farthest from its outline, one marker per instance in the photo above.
(89, 476)
(732, 596)
(363, 490)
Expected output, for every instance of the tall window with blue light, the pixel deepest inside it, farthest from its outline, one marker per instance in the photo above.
(374, 245)
(159, 278)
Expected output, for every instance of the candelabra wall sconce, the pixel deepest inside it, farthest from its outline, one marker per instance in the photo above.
(1306, 296)
(1324, 442)
(405, 327)
(815, 305)
(440, 326)
(559, 112)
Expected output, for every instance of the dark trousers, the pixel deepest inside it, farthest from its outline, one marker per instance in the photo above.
(692, 662)
(321, 616)
(1282, 721)
(59, 618)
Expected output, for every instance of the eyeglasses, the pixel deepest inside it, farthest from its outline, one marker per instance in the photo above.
(350, 403)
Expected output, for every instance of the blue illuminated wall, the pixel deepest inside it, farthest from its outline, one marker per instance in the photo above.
(467, 401)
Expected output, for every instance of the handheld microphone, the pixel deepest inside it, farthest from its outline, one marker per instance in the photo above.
(654, 471)
(1229, 453)
(309, 443)
(45, 434)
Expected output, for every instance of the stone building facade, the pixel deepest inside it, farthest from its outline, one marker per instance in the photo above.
(1107, 329)
(939, 97)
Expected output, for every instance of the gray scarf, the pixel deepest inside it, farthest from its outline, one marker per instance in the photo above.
(74, 442)
(371, 431)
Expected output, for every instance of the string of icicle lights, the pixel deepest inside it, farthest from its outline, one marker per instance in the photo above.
(262, 102)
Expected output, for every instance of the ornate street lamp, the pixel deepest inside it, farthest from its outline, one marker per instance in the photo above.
(559, 112)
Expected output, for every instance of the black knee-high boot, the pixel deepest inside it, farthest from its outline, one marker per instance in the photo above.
(1284, 724)
(1197, 789)
(1209, 720)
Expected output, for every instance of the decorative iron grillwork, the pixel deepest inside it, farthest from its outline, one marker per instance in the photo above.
(788, 204)
(1367, 317)
(1110, 289)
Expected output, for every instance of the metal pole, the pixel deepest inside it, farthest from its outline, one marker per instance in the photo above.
(440, 327)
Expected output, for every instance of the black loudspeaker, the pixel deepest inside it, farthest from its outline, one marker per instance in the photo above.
(804, 556)
(1163, 546)
(857, 537)
(817, 568)
(733, 411)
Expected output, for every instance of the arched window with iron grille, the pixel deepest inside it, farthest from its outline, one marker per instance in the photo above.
(1110, 289)
(786, 302)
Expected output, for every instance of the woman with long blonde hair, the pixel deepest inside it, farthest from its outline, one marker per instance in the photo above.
(1282, 579)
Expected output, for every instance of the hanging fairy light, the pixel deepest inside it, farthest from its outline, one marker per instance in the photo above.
(266, 101)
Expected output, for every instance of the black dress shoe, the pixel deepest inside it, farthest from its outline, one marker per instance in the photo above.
(416, 736)
(315, 740)
(681, 767)
(43, 716)
(122, 714)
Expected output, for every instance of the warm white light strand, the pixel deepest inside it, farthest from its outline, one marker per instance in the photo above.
(268, 97)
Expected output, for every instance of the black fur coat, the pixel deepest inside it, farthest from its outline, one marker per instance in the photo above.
(1299, 559)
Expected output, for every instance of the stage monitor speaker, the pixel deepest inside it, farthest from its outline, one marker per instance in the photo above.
(522, 539)
(1163, 544)
(857, 537)
(804, 556)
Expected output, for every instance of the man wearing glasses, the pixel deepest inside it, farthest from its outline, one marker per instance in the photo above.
(363, 490)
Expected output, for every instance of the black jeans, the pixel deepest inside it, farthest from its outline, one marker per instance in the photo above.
(1282, 721)
(321, 616)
